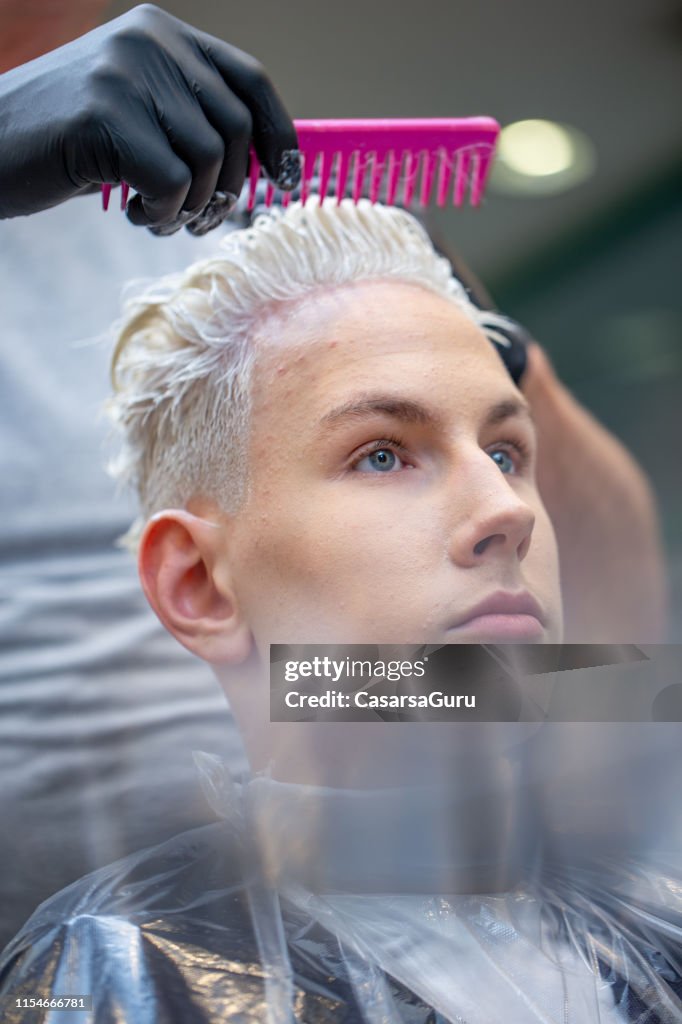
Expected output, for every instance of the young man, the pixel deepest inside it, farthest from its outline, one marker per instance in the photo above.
(331, 450)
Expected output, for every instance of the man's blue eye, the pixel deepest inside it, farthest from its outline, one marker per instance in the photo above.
(503, 460)
(383, 461)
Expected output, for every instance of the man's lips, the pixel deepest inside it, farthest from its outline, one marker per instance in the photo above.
(514, 616)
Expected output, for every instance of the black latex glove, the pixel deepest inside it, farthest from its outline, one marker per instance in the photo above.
(148, 100)
(511, 343)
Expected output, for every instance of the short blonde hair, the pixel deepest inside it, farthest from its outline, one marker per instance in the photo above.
(184, 351)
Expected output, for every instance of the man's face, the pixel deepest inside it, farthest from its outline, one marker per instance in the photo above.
(392, 485)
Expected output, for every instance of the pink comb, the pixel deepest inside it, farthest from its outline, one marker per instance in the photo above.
(455, 152)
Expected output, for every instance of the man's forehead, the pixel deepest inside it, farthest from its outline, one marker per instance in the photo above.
(315, 366)
(380, 305)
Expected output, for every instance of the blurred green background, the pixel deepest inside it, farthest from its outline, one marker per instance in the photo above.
(605, 300)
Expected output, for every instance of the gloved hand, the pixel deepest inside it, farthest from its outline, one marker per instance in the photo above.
(148, 100)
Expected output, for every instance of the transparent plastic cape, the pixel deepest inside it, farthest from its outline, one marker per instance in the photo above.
(193, 931)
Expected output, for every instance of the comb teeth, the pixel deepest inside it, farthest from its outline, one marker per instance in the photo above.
(476, 182)
(310, 158)
(411, 150)
(461, 177)
(324, 171)
(106, 195)
(444, 175)
(415, 172)
(413, 153)
(428, 170)
(360, 164)
(343, 162)
(410, 166)
(393, 175)
(378, 169)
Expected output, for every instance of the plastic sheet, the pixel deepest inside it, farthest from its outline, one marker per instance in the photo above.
(192, 931)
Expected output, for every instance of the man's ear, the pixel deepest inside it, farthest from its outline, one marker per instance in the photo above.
(179, 556)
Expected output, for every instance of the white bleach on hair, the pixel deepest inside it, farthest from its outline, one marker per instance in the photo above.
(184, 347)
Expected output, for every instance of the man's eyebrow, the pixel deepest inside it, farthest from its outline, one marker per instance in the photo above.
(389, 405)
(409, 411)
(507, 408)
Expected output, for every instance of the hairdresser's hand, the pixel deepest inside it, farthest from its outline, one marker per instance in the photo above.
(148, 100)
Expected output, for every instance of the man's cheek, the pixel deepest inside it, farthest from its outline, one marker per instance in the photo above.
(295, 553)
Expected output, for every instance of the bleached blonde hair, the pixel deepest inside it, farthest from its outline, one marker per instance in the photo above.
(184, 351)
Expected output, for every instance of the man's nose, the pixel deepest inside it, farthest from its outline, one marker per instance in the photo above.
(493, 520)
